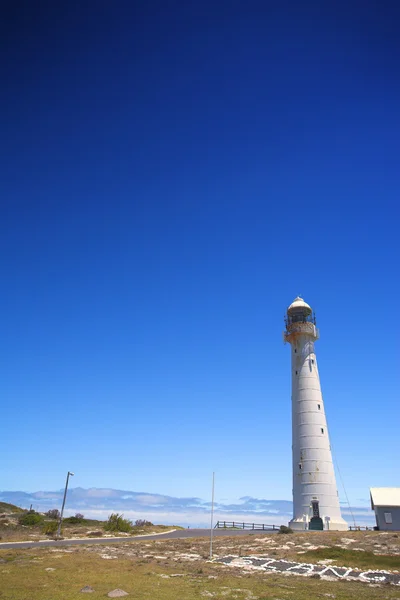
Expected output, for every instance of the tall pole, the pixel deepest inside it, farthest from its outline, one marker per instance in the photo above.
(63, 504)
(212, 516)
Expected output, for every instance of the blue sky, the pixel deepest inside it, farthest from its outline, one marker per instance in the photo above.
(173, 175)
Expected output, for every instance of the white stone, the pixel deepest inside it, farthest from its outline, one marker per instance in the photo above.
(117, 593)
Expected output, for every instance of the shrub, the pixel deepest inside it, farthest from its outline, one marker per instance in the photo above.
(74, 520)
(284, 529)
(54, 513)
(142, 523)
(116, 522)
(30, 518)
(79, 516)
(50, 528)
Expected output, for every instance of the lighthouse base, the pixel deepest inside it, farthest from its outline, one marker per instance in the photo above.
(301, 524)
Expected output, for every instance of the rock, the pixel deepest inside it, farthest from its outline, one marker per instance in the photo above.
(87, 589)
(117, 593)
(49, 569)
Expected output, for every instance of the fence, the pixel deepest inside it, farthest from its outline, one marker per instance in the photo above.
(252, 526)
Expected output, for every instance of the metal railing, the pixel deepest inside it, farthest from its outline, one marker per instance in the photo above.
(361, 528)
(241, 525)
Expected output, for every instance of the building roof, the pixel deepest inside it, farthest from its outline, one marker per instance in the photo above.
(385, 497)
(299, 303)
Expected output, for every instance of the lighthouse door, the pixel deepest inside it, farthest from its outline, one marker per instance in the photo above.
(316, 522)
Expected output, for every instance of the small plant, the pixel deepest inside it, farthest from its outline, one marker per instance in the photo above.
(284, 529)
(30, 518)
(50, 528)
(54, 513)
(142, 523)
(116, 522)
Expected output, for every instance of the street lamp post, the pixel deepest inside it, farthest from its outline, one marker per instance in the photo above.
(63, 504)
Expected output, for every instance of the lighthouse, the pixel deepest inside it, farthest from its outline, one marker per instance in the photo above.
(315, 497)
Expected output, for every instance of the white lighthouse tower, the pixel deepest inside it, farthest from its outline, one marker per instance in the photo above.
(315, 496)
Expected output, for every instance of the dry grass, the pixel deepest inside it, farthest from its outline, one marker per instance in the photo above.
(10, 508)
(45, 575)
(352, 558)
(178, 569)
(295, 546)
(11, 531)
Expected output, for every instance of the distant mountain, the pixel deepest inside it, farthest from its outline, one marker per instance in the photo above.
(100, 502)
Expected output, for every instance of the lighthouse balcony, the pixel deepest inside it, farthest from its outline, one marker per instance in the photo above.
(300, 328)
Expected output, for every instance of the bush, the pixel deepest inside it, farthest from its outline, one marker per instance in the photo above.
(284, 529)
(54, 513)
(116, 522)
(30, 518)
(74, 520)
(79, 516)
(50, 528)
(142, 523)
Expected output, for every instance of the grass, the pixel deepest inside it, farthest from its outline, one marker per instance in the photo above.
(145, 569)
(24, 576)
(352, 558)
(10, 508)
(71, 522)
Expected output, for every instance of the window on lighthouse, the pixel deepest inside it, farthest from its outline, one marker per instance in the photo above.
(319, 407)
(322, 430)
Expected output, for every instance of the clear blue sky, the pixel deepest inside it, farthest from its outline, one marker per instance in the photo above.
(173, 174)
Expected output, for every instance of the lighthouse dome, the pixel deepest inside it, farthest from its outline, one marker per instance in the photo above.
(298, 305)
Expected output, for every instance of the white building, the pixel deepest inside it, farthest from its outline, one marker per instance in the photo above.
(315, 496)
(386, 504)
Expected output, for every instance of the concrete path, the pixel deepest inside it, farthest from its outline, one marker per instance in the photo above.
(177, 535)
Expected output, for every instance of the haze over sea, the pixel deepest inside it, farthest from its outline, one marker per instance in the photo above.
(173, 175)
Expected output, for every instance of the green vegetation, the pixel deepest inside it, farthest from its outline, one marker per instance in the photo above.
(143, 523)
(76, 520)
(116, 522)
(352, 558)
(284, 529)
(30, 518)
(50, 527)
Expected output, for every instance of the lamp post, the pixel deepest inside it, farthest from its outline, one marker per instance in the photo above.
(212, 517)
(63, 504)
